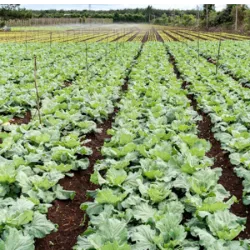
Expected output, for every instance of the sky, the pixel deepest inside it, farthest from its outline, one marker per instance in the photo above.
(112, 6)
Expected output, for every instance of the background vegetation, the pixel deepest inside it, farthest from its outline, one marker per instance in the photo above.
(232, 17)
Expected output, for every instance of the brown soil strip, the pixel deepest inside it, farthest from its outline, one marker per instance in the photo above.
(174, 38)
(67, 214)
(103, 39)
(119, 37)
(25, 120)
(229, 179)
(157, 35)
(133, 37)
(218, 35)
(195, 36)
(145, 38)
(91, 38)
(225, 37)
(215, 36)
(183, 35)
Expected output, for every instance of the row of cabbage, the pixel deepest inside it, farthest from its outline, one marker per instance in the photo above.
(155, 173)
(54, 68)
(34, 157)
(226, 102)
(233, 58)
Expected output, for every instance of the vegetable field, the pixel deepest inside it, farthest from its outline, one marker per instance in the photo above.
(111, 33)
(136, 139)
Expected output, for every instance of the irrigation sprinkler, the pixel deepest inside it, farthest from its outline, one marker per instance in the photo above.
(37, 94)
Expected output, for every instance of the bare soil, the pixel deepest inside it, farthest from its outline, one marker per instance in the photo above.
(18, 120)
(133, 37)
(158, 37)
(145, 38)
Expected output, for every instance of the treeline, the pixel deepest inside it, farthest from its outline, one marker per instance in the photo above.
(13, 11)
(127, 15)
(234, 16)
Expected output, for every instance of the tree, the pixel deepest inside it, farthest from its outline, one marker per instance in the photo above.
(238, 11)
(188, 20)
(148, 12)
(116, 17)
(247, 19)
(207, 8)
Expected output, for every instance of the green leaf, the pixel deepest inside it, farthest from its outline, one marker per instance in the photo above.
(144, 237)
(109, 196)
(158, 192)
(40, 226)
(225, 225)
(12, 239)
(115, 246)
(116, 177)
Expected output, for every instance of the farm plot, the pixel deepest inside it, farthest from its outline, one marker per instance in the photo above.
(136, 148)
(227, 104)
(110, 33)
(157, 187)
(232, 58)
(34, 157)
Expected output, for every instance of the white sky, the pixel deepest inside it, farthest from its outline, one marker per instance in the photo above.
(113, 6)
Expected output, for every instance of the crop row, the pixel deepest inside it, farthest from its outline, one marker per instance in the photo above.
(232, 58)
(80, 63)
(35, 157)
(226, 102)
(109, 35)
(155, 174)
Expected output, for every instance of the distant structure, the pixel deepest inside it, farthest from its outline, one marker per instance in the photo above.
(6, 28)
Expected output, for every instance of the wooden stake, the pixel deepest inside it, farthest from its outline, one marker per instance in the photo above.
(218, 57)
(198, 45)
(87, 67)
(26, 41)
(37, 94)
(50, 39)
